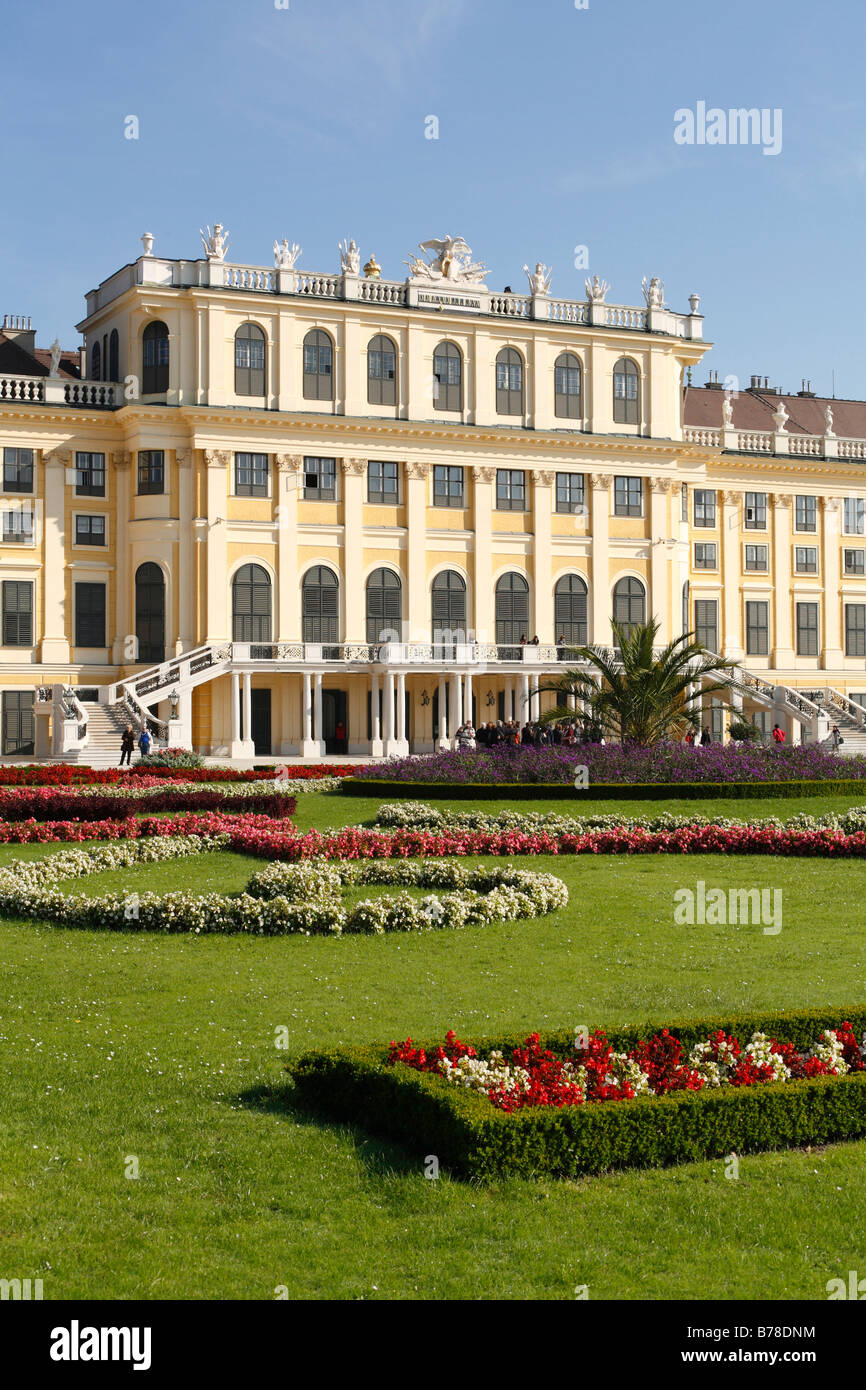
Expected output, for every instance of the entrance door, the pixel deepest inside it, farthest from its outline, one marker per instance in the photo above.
(260, 721)
(334, 728)
(150, 614)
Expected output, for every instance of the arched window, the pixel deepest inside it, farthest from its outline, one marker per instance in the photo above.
(113, 356)
(251, 605)
(96, 362)
(626, 392)
(509, 382)
(384, 606)
(570, 611)
(629, 603)
(381, 371)
(249, 360)
(447, 377)
(512, 609)
(566, 387)
(154, 374)
(321, 605)
(449, 607)
(150, 613)
(318, 366)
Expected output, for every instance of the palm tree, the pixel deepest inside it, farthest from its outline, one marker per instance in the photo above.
(635, 694)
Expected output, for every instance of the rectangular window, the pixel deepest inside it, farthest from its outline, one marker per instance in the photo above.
(90, 530)
(805, 514)
(251, 475)
(381, 366)
(90, 615)
(855, 561)
(705, 555)
(855, 516)
(756, 511)
(447, 486)
(17, 527)
(17, 470)
(569, 492)
(707, 623)
(151, 476)
(250, 353)
(705, 507)
(510, 490)
(855, 629)
(90, 475)
(18, 722)
(807, 629)
(806, 559)
(628, 496)
(383, 480)
(757, 629)
(17, 614)
(756, 558)
(320, 480)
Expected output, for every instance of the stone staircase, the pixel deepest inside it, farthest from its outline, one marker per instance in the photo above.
(105, 725)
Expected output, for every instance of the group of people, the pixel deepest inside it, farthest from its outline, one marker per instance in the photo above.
(510, 733)
(127, 744)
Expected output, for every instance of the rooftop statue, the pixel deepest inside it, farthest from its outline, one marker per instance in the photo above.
(285, 256)
(653, 292)
(350, 258)
(828, 421)
(780, 417)
(216, 242)
(452, 262)
(596, 289)
(539, 279)
(56, 354)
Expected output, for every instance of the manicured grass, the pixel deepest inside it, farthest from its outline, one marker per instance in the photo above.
(163, 1048)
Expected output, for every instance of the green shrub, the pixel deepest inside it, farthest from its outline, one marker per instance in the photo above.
(473, 1138)
(598, 791)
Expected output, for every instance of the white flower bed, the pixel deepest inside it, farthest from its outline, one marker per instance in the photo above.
(418, 815)
(279, 900)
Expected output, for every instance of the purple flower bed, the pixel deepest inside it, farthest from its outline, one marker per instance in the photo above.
(614, 763)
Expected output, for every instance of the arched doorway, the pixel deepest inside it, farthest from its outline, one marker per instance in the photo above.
(150, 613)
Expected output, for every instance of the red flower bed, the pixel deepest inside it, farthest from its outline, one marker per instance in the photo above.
(70, 775)
(75, 831)
(46, 804)
(535, 1076)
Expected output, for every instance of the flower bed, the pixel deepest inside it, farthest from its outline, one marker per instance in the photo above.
(49, 804)
(281, 900)
(418, 815)
(612, 765)
(74, 774)
(687, 1092)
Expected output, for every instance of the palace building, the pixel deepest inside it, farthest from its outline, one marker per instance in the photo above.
(278, 512)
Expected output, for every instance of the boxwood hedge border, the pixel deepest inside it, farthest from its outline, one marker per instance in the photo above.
(475, 1140)
(383, 787)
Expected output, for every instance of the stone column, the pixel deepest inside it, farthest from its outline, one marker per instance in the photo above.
(247, 720)
(455, 719)
(732, 618)
(388, 712)
(236, 709)
(55, 642)
(481, 619)
(443, 723)
(306, 716)
(542, 521)
(376, 749)
(783, 646)
(601, 602)
(123, 652)
(831, 655)
(401, 706)
(467, 698)
(186, 586)
(354, 472)
(288, 475)
(659, 605)
(524, 699)
(317, 712)
(416, 612)
(217, 624)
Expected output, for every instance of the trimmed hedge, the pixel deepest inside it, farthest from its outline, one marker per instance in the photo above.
(475, 1139)
(601, 791)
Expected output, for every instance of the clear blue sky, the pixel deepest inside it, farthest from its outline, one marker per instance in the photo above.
(555, 130)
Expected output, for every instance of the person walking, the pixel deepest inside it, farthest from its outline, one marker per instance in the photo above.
(836, 737)
(706, 739)
(127, 744)
(778, 734)
(144, 742)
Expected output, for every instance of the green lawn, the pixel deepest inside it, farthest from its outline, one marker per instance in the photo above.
(117, 1045)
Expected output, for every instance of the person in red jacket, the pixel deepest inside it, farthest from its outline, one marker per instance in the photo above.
(778, 734)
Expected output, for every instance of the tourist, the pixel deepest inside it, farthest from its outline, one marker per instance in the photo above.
(466, 736)
(836, 737)
(706, 738)
(144, 742)
(127, 744)
(778, 734)
(535, 641)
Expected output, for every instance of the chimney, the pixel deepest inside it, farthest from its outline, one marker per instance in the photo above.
(713, 384)
(19, 328)
(807, 390)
